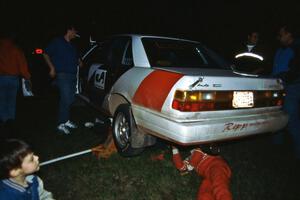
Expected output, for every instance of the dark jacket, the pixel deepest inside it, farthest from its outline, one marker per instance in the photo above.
(293, 74)
(252, 64)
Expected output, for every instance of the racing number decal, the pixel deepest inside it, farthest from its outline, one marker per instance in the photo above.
(99, 81)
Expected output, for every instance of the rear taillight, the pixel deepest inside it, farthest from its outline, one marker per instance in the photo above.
(279, 98)
(194, 101)
(269, 98)
(38, 51)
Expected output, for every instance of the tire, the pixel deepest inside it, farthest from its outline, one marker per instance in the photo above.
(123, 127)
(101, 130)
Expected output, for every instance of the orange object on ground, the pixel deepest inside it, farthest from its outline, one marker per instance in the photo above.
(213, 169)
(158, 157)
(107, 149)
(102, 151)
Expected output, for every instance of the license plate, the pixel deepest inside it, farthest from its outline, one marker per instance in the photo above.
(243, 99)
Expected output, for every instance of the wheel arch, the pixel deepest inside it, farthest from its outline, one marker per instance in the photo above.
(139, 138)
(115, 101)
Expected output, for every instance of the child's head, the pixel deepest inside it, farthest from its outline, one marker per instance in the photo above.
(16, 158)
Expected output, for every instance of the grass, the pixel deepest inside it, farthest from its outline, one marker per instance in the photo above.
(260, 170)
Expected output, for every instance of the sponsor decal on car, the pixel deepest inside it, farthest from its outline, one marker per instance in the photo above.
(217, 85)
(239, 127)
(100, 76)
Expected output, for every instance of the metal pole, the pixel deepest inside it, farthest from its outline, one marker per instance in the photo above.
(65, 157)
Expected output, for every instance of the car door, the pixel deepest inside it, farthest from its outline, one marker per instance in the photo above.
(93, 73)
(120, 59)
(103, 68)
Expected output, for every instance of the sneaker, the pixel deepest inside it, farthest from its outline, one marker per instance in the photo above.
(89, 124)
(70, 124)
(63, 129)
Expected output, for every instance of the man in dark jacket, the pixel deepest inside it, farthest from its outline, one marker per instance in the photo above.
(250, 56)
(62, 58)
(287, 67)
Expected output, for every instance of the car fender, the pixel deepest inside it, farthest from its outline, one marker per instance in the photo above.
(115, 100)
(139, 138)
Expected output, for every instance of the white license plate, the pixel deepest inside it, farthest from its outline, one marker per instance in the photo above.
(242, 99)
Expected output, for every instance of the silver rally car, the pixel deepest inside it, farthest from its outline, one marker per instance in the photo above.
(177, 90)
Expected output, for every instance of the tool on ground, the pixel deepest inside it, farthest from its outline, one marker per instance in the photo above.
(104, 150)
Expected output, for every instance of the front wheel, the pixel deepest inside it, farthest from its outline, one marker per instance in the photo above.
(123, 128)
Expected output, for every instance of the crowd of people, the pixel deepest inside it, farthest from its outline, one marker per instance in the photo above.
(17, 161)
(253, 57)
(62, 58)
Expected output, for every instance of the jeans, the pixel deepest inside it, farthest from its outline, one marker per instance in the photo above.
(66, 84)
(8, 95)
(291, 106)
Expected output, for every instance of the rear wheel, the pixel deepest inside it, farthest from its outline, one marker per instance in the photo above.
(123, 128)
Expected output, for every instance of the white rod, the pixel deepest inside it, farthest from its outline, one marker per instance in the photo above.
(65, 157)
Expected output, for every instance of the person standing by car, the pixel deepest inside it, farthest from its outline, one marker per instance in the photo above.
(62, 58)
(13, 65)
(251, 45)
(287, 68)
(250, 55)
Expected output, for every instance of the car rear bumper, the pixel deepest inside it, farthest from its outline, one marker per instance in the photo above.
(209, 130)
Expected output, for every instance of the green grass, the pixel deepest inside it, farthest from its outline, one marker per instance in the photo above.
(260, 171)
(121, 178)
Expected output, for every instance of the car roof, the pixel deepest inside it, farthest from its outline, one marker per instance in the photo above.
(140, 36)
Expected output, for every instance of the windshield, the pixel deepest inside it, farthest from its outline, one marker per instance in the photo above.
(183, 54)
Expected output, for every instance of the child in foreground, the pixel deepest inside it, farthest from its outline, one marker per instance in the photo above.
(17, 164)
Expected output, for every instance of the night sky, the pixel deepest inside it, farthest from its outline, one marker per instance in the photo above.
(217, 23)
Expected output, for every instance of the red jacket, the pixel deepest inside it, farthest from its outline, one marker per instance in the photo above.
(12, 60)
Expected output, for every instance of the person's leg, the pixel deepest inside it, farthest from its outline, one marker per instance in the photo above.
(12, 97)
(8, 95)
(3, 96)
(67, 86)
(291, 106)
(278, 137)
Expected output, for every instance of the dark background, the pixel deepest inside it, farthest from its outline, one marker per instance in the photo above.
(260, 171)
(218, 23)
(222, 25)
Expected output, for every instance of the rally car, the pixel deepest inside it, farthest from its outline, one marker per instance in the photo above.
(177, 90)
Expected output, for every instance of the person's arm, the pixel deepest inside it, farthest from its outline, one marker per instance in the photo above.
(294, 66)
(52, 72)
(80, 63)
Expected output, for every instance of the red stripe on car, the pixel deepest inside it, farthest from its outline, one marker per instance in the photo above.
(154, 89)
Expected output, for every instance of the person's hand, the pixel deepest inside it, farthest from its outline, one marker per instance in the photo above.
(80, 63)
(52, 73)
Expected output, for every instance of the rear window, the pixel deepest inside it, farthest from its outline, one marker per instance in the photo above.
(183, 54)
